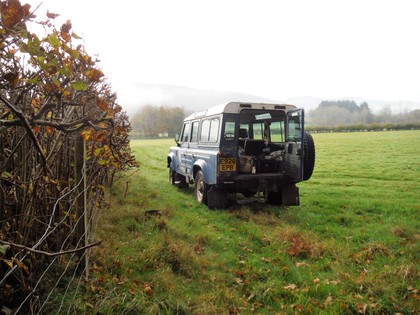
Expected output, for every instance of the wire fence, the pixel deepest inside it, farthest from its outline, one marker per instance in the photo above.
(40, 271)
(62, 138)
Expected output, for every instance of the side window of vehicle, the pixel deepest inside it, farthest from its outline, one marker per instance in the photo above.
(229, 133)
(214, 129)
(194, 132)
(185, 132)
(277, 131)
(205, 129)
(210, 130)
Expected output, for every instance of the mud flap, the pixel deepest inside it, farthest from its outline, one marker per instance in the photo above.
(290, 195)
(217, 198)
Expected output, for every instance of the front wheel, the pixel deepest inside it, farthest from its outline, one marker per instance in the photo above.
(171, 176)
(200, 188)
(176, 179)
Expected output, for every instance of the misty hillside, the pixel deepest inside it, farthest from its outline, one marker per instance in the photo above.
(192, 100)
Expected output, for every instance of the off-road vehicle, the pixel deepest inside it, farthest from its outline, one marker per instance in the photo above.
(246, 149)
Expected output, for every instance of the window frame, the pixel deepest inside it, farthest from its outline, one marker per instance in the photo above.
(212, 133)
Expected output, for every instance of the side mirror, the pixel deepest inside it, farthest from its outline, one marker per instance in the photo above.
(176, 138)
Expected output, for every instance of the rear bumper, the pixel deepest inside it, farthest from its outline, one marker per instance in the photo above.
(270, 181)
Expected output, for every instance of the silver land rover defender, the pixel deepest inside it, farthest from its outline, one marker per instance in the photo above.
(243, 148)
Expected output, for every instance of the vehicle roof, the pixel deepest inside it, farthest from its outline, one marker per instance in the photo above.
(236, 107)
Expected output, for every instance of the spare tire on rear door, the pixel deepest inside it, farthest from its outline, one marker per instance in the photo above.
(308, 156)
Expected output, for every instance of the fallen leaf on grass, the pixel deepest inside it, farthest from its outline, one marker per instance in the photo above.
(361, 308)
(147, 289)
(266, 240)
(328, 300)
(300, 264)
(290, 287)
(89, 305)
(267, 260)
(238, 281)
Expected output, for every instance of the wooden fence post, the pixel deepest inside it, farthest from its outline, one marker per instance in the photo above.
(86, 211)
(80, 177)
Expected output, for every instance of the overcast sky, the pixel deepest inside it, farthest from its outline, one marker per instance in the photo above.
(273, 49)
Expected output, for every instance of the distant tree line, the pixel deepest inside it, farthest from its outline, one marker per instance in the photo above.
(161, 121)
(157, 121)
(348, 113)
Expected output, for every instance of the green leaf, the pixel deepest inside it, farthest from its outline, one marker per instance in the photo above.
(6, 175)
(75, 36)
(74, 53)
(33, 81)
(3, 249)
(54, 40)
(79, 86)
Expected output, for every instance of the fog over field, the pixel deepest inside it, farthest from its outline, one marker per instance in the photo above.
(191, 99)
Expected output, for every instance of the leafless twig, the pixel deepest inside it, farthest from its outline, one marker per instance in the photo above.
(65, 252)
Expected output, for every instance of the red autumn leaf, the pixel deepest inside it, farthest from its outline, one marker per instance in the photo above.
(117, 109)
(100, 136)
(94, 75)
(50, 87)
(51, 69)
(12, 78)
(121, 130)
(52, 15)
(65, 28)
(66, 36)
(101, 103)
(26, 9)
(12, 13)
(65, 31)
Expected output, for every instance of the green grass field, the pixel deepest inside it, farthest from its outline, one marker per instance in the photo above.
(352, 247)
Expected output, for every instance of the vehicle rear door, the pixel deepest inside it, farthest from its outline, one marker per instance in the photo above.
(294, 144)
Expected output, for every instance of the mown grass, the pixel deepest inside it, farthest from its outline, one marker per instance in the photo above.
(352, 247)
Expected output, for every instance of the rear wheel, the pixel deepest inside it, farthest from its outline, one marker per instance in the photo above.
(200, 188)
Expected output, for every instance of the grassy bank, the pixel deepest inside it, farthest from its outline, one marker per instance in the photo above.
(351, 247)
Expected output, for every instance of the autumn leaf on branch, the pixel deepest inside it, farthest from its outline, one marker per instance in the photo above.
(52, 15)
(12, 78)
(65, 31)
(102, 104)
(13, 13)
(94, 75)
